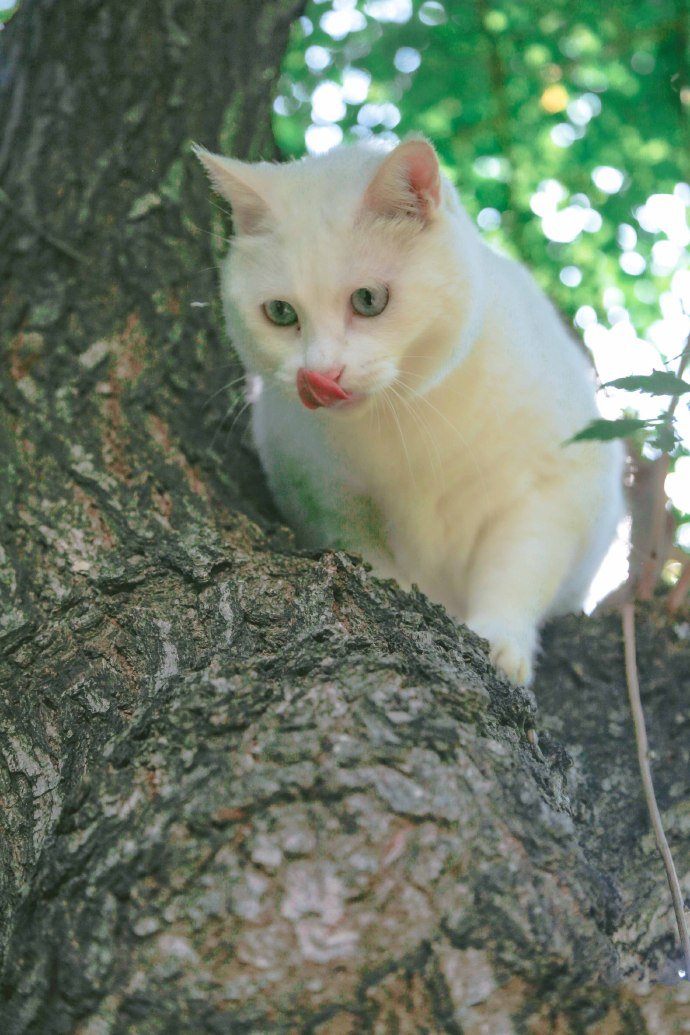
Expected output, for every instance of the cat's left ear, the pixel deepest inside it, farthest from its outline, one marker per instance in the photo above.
(408, 183)
(230, 178)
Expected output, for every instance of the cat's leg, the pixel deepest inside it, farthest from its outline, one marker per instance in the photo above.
(518, 566)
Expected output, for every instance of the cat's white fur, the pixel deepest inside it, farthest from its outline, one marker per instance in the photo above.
(451, 471)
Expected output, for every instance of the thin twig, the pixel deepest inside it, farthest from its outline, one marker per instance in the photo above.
(681, 587)
(656, 523)
(658, 535)
(628, 616)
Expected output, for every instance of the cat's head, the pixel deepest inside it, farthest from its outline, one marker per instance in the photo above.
(346, 277)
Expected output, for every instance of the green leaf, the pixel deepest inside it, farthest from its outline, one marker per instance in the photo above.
(665, 438)
(661, 382)
(603, 430)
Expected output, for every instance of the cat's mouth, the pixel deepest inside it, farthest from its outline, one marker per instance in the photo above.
(316, 390)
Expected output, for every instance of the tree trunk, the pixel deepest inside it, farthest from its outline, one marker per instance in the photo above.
(247, 788)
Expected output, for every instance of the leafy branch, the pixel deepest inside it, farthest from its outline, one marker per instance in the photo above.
(652, 537)
(653, 523)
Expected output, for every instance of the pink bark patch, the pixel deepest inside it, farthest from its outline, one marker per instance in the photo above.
(318, 390)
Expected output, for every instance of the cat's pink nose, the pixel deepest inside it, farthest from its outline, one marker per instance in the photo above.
(320, 389)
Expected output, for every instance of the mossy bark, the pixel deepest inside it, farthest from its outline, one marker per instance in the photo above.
(247, 788)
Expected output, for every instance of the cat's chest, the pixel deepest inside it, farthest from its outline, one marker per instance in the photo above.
(413, 462)
(428, 483)
(431, 482)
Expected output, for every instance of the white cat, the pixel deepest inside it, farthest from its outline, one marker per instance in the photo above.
(417, 389)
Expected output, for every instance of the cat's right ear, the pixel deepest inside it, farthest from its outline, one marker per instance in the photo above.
(230, 178)
(407, 184)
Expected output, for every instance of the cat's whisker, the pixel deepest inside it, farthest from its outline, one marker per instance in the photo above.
(212, 233)
(238, 416)
(434, 453)
(205, 269)
(374, 409)
(235, 410)
(426, 425)
(380, 415)
(463, 442)
(461, 438)
(222, 208)
(391, 407)
(224, 388)
(426, 431)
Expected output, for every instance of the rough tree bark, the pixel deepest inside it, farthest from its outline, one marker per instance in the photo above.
(245, 788)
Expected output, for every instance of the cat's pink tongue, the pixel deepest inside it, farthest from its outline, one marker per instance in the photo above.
(318, 390)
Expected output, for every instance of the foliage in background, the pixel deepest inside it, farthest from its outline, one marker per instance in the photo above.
(565, 126)
(7, 9)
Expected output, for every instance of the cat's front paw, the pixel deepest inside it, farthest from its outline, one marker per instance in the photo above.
(512, 659)
(511, 651)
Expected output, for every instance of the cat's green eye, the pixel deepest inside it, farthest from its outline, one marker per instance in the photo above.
(369, 301)
(280, 312)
